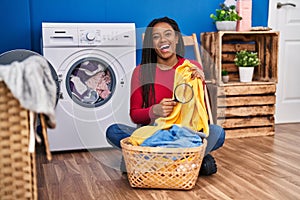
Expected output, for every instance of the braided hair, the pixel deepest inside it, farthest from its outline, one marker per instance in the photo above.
(149, 59)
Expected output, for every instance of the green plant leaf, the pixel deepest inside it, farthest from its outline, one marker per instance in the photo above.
(245, 58)
(226, 13)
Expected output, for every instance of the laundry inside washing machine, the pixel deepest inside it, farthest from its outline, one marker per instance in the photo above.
(91, 82)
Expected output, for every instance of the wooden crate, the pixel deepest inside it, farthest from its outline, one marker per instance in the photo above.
(242, 109)
(219, 49)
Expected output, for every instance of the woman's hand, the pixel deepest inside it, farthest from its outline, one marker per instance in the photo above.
(164, 108)
(197, 73)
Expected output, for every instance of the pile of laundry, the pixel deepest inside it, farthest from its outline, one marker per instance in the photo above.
(175, 137)
(90, 82)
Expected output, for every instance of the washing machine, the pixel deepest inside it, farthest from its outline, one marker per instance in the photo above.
(93, 63)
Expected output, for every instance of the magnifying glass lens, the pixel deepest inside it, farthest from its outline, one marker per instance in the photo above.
(183, 93)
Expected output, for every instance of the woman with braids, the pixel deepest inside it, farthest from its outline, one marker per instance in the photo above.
(152, 87)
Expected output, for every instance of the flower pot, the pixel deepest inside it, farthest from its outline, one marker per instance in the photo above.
(246, 74)
(225, 78)
(226, 25)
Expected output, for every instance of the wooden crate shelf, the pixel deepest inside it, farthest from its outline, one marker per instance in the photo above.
(219, 49)
(242, 109)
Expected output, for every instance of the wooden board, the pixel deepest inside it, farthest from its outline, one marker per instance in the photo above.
(246, 100)
(249, 132)
(246, 89)
(246, 111)
(246, 122)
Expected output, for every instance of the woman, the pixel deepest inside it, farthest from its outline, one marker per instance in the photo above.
(152, 84)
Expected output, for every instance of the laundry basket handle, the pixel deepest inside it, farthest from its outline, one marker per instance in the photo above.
(45, 135)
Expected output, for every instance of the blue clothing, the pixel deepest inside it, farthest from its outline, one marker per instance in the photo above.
(116, 132)
(175, 137)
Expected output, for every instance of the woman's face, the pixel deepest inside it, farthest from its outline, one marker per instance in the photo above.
(164, 40)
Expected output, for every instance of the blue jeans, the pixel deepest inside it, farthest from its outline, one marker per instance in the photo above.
(116, 132)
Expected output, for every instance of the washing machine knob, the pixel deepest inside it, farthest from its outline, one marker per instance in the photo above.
(90, 36)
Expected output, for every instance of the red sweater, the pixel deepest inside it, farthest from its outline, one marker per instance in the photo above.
(164, 80)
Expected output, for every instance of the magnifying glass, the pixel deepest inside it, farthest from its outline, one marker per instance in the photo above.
(183, 93)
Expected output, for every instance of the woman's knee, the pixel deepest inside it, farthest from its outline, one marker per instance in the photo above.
(111, 130)
(118, 131)
(220, 134)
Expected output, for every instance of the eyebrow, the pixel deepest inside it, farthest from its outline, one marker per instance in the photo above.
(171, 30)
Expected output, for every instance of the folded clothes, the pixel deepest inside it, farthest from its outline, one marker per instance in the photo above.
(175, 137)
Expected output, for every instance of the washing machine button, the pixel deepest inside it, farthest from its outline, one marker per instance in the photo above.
(90, 36)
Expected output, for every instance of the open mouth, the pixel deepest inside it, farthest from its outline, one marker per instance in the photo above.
(165, 48)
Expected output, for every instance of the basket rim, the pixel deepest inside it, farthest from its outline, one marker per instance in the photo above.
(125, 145)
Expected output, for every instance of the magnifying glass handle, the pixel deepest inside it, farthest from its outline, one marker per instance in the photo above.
(174, 99)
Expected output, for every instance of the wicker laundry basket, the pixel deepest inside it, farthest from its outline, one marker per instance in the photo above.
(17, 165)
(165, 168)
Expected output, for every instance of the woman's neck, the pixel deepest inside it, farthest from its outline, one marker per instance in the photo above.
(166, 64)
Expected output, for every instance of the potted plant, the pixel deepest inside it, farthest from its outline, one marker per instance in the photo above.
(225, 76)
(246, 61)
(226, 18)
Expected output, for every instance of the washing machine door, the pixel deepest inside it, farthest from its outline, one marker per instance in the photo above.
(91, 82)
(95, 85)
(21, 54)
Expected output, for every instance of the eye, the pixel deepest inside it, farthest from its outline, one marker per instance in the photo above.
(168, 34)
(155, 37)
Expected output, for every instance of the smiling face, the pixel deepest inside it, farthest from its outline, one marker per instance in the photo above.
(164, 41)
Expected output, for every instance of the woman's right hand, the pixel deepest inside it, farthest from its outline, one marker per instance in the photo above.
(164, 108)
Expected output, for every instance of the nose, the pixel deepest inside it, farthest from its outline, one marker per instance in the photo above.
(163, 38)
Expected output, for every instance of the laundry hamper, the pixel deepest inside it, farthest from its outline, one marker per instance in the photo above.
(17, 165)
(165, 168)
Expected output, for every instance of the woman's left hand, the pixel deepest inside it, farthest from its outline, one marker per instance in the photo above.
(197, 73)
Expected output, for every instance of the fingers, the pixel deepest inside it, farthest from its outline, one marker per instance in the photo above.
(197, 73)
(164, 108)
(167, 106)
(168, 102)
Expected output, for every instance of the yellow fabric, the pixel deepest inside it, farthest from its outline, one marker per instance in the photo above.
(192, 114)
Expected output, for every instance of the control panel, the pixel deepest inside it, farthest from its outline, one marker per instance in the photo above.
(88, 34)
(104, 37)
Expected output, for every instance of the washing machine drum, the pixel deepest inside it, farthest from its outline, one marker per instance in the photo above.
(20, 55)
(90, 82)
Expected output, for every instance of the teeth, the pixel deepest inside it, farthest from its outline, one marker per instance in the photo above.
(164, 47)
